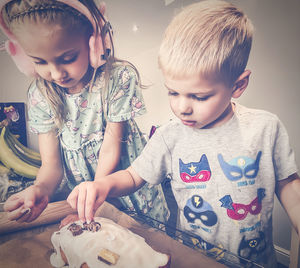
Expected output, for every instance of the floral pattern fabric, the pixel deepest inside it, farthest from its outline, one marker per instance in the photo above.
(82, 134)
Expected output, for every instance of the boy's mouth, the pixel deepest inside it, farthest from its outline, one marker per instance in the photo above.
(189, 123)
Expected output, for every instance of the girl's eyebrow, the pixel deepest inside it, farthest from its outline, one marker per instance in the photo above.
(36, 58)
(71, 51)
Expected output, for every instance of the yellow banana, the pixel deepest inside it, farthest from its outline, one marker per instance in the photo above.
(4, 170)
(18, 149)
(22, 148)
(12, 161)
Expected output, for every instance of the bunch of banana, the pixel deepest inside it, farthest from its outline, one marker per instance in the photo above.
(4, 170)
(17, 157)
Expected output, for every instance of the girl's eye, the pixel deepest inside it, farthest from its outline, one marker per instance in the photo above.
(63, 60)
(40, 62)
(69, 59)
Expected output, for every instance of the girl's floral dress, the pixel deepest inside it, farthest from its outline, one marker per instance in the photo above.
(82, 134)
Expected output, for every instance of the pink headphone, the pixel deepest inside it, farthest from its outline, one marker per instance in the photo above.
(24, 63)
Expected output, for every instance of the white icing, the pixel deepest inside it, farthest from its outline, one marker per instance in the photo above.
(84, 248)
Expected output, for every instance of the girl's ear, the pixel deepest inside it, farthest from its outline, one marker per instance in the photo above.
(241, 84)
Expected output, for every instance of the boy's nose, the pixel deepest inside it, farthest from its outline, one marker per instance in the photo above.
(184, 107)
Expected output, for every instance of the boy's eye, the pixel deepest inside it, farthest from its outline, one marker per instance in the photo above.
(171, 93)
(199, 98)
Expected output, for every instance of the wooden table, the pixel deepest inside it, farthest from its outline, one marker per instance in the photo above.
(32, 247)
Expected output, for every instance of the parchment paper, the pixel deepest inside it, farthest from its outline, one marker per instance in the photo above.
(29, 249)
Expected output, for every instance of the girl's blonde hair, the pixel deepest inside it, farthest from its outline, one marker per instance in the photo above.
(18, 12)
(210, 38)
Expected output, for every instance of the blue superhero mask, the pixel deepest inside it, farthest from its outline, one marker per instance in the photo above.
(240, 166)
(197, 208)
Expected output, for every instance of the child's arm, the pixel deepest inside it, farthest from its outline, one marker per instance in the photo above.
(49, 175)
(51, 171)
(109, 156)
(88, 196)
(288, 192)
(110, 151)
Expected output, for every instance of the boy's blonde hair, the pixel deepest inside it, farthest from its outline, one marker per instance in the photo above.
(211, 39)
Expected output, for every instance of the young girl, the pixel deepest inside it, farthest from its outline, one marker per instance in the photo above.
(81, 104)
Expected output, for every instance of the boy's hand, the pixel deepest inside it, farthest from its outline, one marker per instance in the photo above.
(87, 197)
(26, 205)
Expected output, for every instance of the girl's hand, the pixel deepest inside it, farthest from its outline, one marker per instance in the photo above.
(26, 205)
(87, 197)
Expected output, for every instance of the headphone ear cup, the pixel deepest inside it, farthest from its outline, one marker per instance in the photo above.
(96, 51)
(22, 61)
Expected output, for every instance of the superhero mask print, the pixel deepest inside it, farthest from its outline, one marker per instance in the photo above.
(217, 252)
(240, 167)
(195, 171)
(251, 248)
(197, 208)
(238, 211)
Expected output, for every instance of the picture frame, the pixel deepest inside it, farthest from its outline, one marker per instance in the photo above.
(12, 115)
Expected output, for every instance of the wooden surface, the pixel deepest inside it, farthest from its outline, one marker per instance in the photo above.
(53, 213)
(32, 248)
(28, 250)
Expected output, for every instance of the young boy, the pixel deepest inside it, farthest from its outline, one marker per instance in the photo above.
(226, 161)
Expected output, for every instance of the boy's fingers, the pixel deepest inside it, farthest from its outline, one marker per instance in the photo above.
(72, 198)
(99, 202)
(68, 219)
(90, 203)
(81, 203)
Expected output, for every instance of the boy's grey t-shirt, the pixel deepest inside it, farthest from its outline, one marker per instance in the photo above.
(224, 178)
